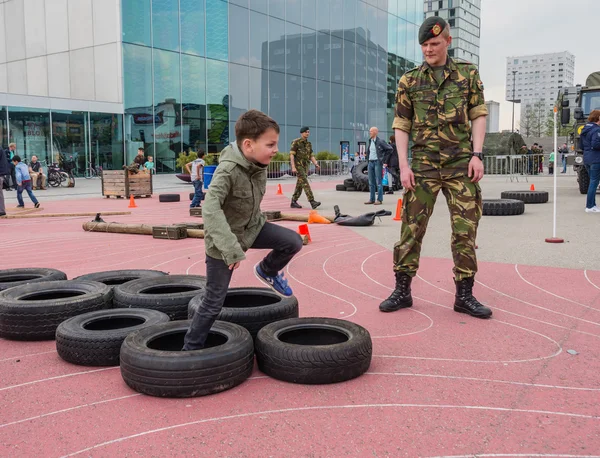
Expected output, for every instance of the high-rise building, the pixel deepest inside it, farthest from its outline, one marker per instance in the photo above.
(492, 121)
(537, 79)
(463, 17)
(96, 79)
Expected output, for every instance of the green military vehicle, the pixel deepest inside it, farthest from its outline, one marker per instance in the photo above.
(588, 100)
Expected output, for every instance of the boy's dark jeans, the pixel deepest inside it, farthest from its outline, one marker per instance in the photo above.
(198, 194)
(285, 243)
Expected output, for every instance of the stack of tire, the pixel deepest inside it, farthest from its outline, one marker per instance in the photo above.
(137, 319)
(513, 202)
(359, 180)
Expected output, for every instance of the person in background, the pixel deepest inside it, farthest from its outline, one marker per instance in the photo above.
(377, 150)
(590, 143)
(37, 174)
(4, 172)
(149, 165)
(12, 150)
(196, 171)
(551, 164)
(23, 182)
(301, 153)
(393, 166)
(564, 151)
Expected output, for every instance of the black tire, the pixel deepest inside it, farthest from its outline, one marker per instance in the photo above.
(583, 178)
(340, 187)
(503, 207)
(16, 277)
(192, 194)
(34, 311)
(349, 182)
(313, 350)
(528, 197)
(252, 308)
(95, 338)
(169, 197)
(360, 176)
(152, 363)
(170, 294)
(351, 189)
(113, 278)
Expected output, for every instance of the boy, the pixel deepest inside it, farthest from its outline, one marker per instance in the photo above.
(196, 171)
(150, 165)
(23, 182)
(234, 223)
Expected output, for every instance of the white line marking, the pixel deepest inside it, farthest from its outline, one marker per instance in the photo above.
(375, 297)
(57, 377)
(552, 294)
(26, 356)
(313, 408)
(68, 410)
(588, 279)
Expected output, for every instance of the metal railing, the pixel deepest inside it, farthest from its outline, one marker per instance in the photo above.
(283, 169)
(522, 165)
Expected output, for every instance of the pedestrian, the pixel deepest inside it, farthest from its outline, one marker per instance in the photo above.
(301, 153)
(4, 173)
(12, 150)
(551, 164)
(590, 143)
(377, 150)
(441, 106)
(393, 166)
(23, 182)
(196, 171)
(233, 222)
(564, 151)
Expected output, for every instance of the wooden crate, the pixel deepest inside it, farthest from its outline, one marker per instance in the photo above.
(175, 232)
(121, 183)
(196, 211)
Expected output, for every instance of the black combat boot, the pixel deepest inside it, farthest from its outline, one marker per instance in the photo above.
(465, 302)
(314, 204)
(400, 297)
(295, 204)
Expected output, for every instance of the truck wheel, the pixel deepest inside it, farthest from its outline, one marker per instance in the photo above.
(584, 180)
(360, 176)
(152, 361)
(503, 207)
(528, 197)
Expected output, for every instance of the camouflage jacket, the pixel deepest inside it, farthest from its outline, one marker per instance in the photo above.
(437, 116)
(302, 151)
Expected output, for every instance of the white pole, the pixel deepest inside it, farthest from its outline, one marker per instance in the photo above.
(555, 166)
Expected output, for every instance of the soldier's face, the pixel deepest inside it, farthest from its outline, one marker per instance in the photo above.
(305, 135)
(435, 50)
(263, 148)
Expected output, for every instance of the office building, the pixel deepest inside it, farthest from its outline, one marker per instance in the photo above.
(492, 122)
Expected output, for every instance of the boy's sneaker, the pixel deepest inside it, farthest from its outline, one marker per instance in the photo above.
(595, 209)
(276, 283)
(20, 206)
(37, 205)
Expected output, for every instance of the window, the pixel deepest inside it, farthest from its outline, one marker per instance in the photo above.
(137, 65)
(217, 103)
(192, 26)
(238, 35)
(259, 38)
(136, 21)
(216, 29)
(165, 24)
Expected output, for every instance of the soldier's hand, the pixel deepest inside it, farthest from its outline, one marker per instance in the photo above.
(318, 166)
(234, 266)
(293, 169)
(408, 179)
(475, 169)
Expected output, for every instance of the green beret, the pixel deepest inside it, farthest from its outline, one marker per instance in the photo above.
(432, 27)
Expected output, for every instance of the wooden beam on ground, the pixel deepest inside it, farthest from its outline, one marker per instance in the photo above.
(139, 229)
(300, 218)
(64, 215)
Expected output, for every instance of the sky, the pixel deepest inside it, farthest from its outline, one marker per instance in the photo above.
(522, 27)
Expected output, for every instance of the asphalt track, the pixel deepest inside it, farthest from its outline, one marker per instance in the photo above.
(440, 384)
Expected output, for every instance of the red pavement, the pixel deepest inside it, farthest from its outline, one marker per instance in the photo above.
(441, 384)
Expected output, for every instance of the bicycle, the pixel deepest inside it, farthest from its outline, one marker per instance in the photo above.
(93, 172)
(56, 176)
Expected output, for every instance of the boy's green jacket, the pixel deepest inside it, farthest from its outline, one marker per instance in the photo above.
(231, 211)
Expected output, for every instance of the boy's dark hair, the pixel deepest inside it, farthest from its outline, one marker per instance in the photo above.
(252, 125)
(140, 149)
(392, 139)
(201, 153)
(16, 158)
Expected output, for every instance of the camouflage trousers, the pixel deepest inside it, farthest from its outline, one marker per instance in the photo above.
(464, 202)
(302, 184)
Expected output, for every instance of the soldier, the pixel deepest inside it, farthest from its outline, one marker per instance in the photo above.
(440, 104)
(301, 154)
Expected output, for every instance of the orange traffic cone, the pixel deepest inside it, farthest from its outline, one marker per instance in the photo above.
(398, 216)
(132, 202)
(279, 190)
(303, 230)
(314, 217)
(532, 188)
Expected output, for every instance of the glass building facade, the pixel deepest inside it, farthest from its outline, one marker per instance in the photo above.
(191, 67)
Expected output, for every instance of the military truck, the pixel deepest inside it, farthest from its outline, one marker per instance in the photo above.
(587, 100)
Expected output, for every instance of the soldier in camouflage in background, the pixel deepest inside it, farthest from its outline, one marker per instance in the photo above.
(301, 154)
(440, 104)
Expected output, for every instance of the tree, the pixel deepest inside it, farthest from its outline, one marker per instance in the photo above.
(563, 131)
(527, 122)
(539, 118)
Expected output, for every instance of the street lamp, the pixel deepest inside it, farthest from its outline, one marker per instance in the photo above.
(513, 99)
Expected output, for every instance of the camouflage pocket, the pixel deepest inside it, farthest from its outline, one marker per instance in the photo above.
(455, 108)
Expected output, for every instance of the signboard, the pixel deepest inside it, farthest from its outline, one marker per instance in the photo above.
(362, 151)
(345, 151)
